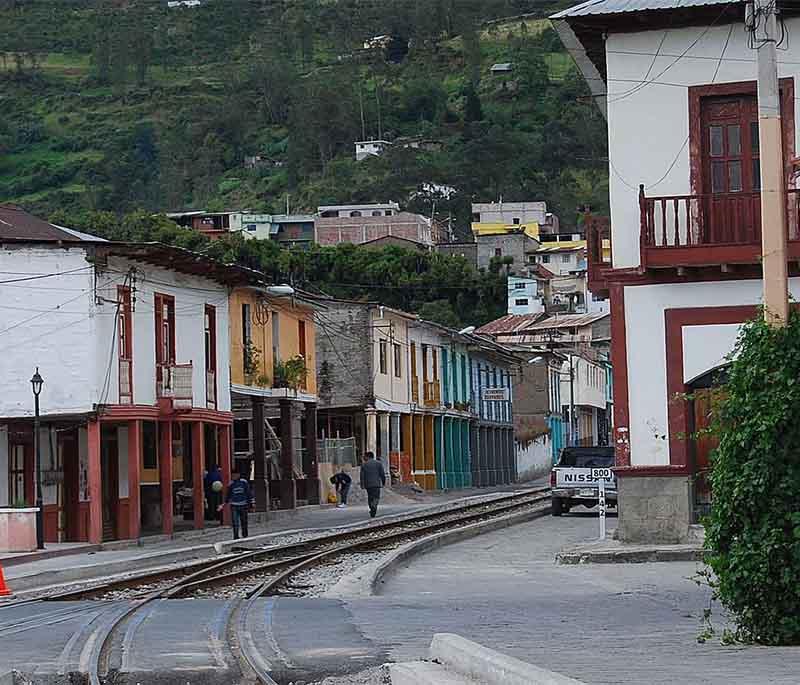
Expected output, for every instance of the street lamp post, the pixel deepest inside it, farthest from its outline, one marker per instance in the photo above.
(37, 382)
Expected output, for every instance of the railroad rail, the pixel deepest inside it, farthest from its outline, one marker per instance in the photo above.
(245, 576)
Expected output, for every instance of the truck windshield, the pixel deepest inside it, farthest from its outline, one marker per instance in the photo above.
(587, 457)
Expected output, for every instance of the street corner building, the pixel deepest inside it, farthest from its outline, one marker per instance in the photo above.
(132, 341)
(676, 81)
(433, 403)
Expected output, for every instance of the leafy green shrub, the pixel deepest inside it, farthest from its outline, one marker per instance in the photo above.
(753, 532)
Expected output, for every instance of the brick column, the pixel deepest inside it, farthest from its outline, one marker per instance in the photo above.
(310, 459)
(198, 466)
(261, 484)
(95, 484)
(288, 491)
(165, 475)
(224, 460)
(134, 473)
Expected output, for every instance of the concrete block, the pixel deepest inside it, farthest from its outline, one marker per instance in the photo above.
(487, 666)
(425, 673)
(654, 509)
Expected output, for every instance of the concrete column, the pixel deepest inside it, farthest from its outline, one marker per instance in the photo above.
(134, 479)
(198, 466)
(372, 431)
(383, 424)
(165, 475)
(310, 460)
(95, 484)
(224, 451)
(288, 490)
(394, 428)
(260, 484)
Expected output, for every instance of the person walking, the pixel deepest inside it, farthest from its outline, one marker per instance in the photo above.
(213, 488)
(341, 481)
(373, 478)
(240, 498)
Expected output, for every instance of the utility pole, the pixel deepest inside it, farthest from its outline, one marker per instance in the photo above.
(762, 16)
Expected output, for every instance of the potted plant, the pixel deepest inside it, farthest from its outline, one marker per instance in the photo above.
(18, 528)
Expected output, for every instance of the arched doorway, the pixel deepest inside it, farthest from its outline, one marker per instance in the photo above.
(704, 391)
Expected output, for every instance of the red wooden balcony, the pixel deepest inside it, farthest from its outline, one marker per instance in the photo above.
(174, 383)
(598, 252)
(705, 230)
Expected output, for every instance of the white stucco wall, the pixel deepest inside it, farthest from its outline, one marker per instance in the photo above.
(589, 390)
(390, 391)
(50, 323)
(704, 349)
(56, 324)
(191, 295)
(534, 459)
(649, 125)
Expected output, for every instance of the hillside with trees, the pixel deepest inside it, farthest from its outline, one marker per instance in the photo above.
(129, 105)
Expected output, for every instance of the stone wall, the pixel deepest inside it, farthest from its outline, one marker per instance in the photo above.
(344, 355)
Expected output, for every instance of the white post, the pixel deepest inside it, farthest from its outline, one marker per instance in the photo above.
(601, 500)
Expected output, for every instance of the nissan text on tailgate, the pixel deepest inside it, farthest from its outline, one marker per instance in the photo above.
(575, 478)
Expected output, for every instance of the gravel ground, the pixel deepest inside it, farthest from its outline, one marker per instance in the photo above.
(315, 581)
(372, 676)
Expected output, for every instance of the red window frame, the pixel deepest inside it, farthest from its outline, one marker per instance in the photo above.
(210, 337)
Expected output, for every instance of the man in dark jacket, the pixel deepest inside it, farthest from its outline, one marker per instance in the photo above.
(373, 478)
(240, 497)
(341, 481)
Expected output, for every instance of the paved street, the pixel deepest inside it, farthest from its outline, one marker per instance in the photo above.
(624, 623)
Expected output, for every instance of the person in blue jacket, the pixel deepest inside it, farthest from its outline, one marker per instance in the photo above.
(240, 498)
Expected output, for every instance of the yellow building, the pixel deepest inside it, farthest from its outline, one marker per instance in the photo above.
(274, 393)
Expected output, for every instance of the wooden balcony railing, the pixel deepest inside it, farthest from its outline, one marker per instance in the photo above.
(125, 381)
(699, 230)
(432, 394)
(211, 389)
(175, 382)
(598, 252)
(415, 389)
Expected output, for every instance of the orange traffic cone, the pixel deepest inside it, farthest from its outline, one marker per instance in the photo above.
(4, 591)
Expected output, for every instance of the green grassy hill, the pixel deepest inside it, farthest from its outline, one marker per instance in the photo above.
(125, 104)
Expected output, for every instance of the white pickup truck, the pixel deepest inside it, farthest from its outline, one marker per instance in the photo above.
(575, 478)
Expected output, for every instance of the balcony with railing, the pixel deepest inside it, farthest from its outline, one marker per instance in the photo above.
(174, 382)
(598, 253)
(432, 394)
(709, 229)
(125, 381)
(211, 389)
(415, 389)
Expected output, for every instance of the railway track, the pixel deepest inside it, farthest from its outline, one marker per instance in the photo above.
(242, 579)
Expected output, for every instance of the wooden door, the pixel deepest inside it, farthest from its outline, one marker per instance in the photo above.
(731, 170)
(71, 466)
(704, 445)
(109, 464)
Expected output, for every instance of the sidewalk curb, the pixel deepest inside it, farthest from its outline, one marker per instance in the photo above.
(637, 556)
(365, 581)
(488, 666)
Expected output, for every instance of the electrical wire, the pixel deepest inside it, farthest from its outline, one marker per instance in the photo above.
(49, 275)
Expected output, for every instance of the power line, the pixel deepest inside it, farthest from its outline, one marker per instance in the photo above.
(50, 275)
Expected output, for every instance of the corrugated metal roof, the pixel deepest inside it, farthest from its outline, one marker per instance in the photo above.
(511, 323)
(566, 321)
(17, 224)
(600, 7)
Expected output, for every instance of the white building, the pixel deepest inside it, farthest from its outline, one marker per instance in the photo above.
(685, 271)
(370, 148)
(132, 343)
(524, 296)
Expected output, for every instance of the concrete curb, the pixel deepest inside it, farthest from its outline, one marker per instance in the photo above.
(633, 556)
(363, 582)
(490, 667)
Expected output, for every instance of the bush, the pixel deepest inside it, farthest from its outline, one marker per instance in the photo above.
(753, 533)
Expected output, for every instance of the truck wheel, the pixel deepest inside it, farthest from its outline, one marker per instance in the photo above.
(558, 506)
